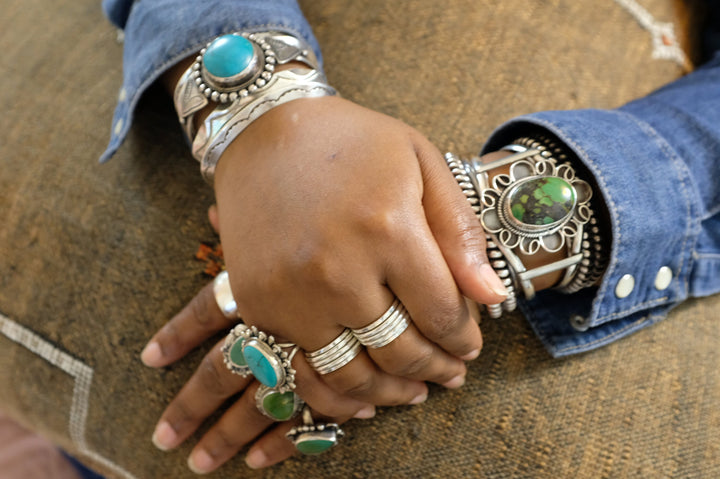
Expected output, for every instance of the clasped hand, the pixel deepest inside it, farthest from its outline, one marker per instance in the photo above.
(327, 211)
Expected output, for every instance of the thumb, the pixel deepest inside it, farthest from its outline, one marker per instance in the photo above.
(457, 230)
(213, 218)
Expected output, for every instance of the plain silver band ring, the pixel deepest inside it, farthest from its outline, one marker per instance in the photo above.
(335, 354)
(223, 295)
(386, 328)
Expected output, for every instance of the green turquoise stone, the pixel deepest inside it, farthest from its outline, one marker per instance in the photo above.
(228, 55)
(314, 446)
(260, 366)
(236, 353)
(280, 406)
(542, 201)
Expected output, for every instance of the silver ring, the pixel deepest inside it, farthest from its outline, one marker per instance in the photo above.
(336, 354)
(386, 328)
(276, 405)
(311, 438)
(223, 295)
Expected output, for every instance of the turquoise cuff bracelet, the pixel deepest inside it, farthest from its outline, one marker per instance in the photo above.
(237, 71)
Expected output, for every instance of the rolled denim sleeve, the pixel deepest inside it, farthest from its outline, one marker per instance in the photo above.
(656, 163)
(160, 33)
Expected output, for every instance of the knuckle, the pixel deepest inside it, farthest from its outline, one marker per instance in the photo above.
(211, 376)
(446, 319)
(354, 386)
(200, 309)
(414, 365)
(226, 439)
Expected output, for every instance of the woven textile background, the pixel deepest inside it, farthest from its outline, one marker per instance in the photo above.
(94, 258)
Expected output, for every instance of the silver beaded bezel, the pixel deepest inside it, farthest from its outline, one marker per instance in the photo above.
(224, 90)
(552, 238)
(276, 355)
(236, 334)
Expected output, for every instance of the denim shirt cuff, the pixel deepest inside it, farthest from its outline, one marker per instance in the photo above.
(160, 33)
(653, 213)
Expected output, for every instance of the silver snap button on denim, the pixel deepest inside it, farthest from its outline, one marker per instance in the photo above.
(625, 286)
(663, 278)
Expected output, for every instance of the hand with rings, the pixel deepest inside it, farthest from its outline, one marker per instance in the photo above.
(276, 423)
(344, 233)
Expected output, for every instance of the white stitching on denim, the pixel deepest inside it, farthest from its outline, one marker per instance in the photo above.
(610, 337)
(79, 371)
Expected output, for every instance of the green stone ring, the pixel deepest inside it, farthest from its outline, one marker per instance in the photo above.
(276, 405)
(232, 351)
(312, 439)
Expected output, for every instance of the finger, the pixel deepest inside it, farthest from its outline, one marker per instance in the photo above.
(363, 380)
(210, 386)
(412, 356)
(457, 230)
(431, 297)
(274, 446)
(240, 424)
(214, 218)
(198, 321)
(318, 395)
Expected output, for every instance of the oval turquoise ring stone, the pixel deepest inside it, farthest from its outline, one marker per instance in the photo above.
(236, 353)
(311, 447)
(281, 406)
(262, 362)
(228, 55)
(542, 201)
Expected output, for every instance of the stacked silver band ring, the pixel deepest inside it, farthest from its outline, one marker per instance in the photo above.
(336, 354)
(386, 328)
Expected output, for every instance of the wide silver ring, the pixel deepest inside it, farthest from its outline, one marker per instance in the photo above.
(336, 354)
(223, 295)
(386, 328)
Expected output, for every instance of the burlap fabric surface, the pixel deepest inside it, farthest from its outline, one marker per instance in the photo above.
(93, 259)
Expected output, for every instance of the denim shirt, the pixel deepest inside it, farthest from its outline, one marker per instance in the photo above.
(656, 163)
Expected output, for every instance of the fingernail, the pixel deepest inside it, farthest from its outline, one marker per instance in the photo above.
(151, 355)
(164, 436)
(420, 398)
(471, 355)
(492, 281)
(256, 459)
(455, 382)
(365, 413)
(200, 462)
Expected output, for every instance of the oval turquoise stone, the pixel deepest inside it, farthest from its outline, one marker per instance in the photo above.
(314, 446)
(280, 406)
(260, 366)
(542, 201)
(228, 55)
(236, 353)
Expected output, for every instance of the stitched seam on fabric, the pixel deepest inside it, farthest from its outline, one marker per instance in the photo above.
(79, 371)
(634, 309)
(712, 256)
(609, 337)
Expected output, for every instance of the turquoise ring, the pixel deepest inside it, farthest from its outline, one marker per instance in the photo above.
(232, 351)
(276, 405)
(312, 439)
(248, 350)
